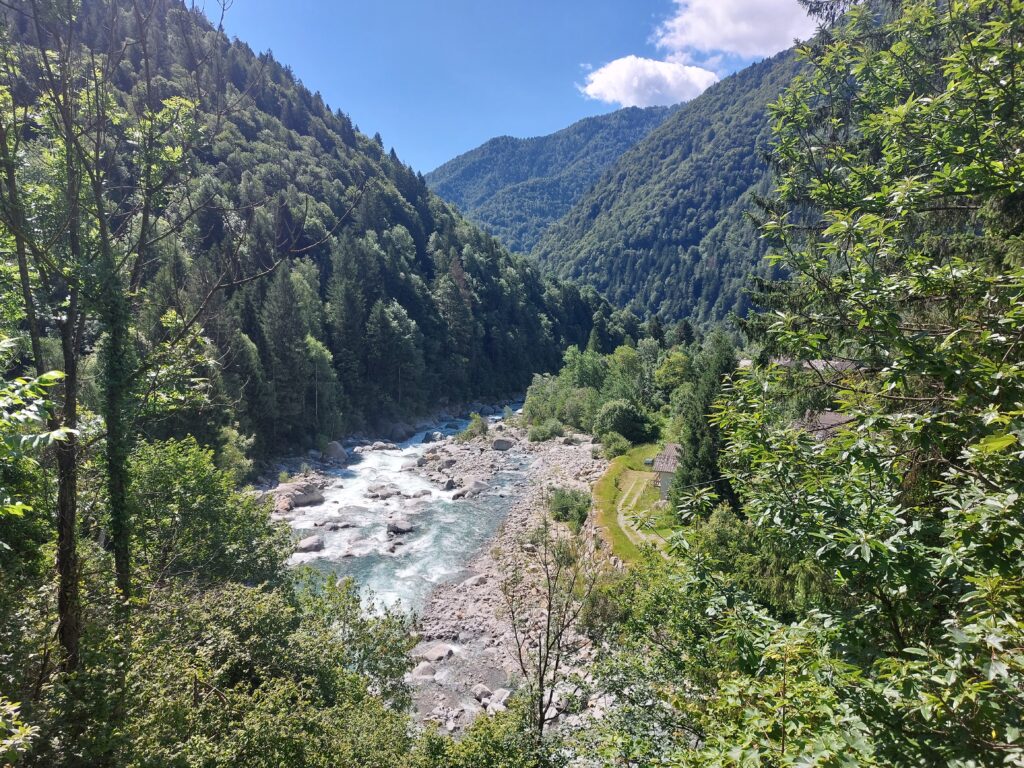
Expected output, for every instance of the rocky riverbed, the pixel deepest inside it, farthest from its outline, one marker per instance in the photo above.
(466, 655)
(430, 525)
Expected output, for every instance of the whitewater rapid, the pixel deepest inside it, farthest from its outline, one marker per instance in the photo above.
(401, 570)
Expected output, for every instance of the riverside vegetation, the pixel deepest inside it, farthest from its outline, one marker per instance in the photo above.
(833, 597)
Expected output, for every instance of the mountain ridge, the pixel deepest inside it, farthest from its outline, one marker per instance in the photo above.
(665, 230)
(515, 187)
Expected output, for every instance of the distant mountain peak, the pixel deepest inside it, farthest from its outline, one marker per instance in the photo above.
(516, 187)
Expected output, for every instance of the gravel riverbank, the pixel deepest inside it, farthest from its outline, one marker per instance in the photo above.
(465, 657)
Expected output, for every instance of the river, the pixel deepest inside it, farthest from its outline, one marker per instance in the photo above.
(401, 571)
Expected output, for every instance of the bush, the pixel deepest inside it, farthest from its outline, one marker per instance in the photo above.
(547, 430)
(614, 445)
(569, 506)
(477, 428)
(190, 521)
(624, 418)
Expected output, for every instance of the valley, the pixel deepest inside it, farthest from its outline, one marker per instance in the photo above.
(688, 435)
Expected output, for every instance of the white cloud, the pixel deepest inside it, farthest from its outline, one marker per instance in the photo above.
(637, 82)
(745, 28)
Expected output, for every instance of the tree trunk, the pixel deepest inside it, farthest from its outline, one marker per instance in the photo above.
(68, 609)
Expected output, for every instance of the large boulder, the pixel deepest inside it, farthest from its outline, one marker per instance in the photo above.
(481, 692)
(336, 452)
(502, 444)
(400, 527)
(434, 652)
(433, 437)
(399, 432)
(300, 493)
(310, 544)
(473, 489)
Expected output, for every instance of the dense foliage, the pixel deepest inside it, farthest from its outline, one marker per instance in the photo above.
(637, 394)
(215, 263)
(515, 188)
(667, 228)
(862, 606)
(569, 505)
(382, 301)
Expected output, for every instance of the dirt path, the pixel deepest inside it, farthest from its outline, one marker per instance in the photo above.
(633, 484)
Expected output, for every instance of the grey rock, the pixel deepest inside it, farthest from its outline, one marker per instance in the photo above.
(310, 544)
(382, 491)
(502, 444)
(473, 489)
(436, 651)
(500, 696)
(481, 691)
(424, 671)
(400, 431)
(296, 494)
(433, 437)
(400, 527)
(336, 452)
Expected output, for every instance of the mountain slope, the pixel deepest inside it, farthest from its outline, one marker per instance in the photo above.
(383, 300)
(665, 230)
(515, 188)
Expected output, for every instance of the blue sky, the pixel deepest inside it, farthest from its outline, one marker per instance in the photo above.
(439, 77)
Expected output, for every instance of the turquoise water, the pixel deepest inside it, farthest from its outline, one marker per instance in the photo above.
(448, 533)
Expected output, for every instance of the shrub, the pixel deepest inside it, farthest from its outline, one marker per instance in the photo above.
(547, 430)
(477, 428)
(580, 408)
(614, 445)
(569, 506)
(624, 418)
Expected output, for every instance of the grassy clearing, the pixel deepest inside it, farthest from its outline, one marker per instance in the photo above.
(607, 493)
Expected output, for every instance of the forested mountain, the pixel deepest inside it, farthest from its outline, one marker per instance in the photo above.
(515, 188)
(666, 229)
(375, 298)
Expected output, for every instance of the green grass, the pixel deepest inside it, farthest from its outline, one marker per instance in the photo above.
(606, 498)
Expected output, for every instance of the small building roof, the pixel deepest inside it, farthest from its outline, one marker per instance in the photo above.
(668, 459)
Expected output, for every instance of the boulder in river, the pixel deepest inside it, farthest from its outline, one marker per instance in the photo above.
(300, 493)
(433, 437)
(399, 432)
(335, 451)
(400, 527)
(310, 544)
(500, 696)
(473, 489)
(382, 491)
(502, 444)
